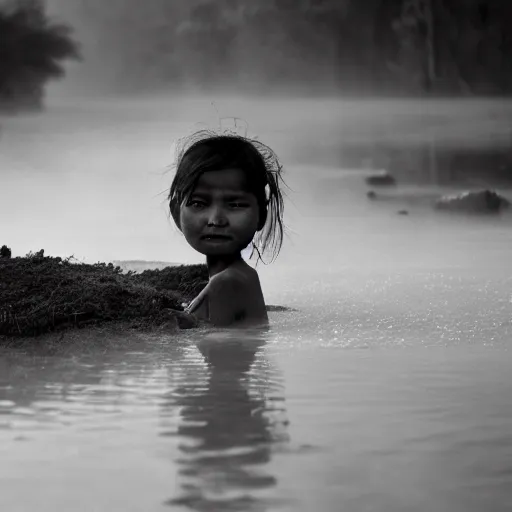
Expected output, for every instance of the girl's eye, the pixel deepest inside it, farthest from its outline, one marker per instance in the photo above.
(196, 204)
(237, 205)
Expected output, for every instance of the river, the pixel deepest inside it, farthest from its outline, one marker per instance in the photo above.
(387, 388)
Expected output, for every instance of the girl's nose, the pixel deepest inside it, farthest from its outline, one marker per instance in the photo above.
(217, 217)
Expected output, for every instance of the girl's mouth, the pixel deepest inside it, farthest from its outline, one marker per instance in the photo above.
(216, 238)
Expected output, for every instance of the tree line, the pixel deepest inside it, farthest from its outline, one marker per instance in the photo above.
(455, 47)
(379, 46)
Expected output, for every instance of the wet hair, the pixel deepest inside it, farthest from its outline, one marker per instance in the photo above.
(205, 151)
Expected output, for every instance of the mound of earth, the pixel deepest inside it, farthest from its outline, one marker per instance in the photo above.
(39, 294)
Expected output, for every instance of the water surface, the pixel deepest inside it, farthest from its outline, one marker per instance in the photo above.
(387, 389)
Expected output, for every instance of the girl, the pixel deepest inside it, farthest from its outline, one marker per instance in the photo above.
(226, 196)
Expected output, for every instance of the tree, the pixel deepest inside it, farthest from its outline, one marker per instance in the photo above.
(5, 252)
(32, 50)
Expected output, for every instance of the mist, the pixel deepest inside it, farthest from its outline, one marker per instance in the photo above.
(390, 346)
(368, 118)
(89, 175)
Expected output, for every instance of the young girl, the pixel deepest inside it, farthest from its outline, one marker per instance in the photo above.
(226, 196)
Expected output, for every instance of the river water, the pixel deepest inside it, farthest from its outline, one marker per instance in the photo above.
(386, 389)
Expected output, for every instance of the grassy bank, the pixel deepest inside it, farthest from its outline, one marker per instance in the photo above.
(41, 294)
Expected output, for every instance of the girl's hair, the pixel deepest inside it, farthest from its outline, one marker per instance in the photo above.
(206, 150)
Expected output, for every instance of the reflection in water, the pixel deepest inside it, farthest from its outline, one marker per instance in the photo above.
(230, 423)
(42, 390)
(32, 387)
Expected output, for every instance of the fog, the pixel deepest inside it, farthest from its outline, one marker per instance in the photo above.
(89, 176)
(329, 130)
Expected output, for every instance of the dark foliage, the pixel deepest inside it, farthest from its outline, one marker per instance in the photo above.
(40, 294)
(32, 51)
(5, 252)
(186, 280)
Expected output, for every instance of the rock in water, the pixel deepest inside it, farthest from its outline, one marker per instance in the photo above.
(481, 201)
(271, 307)
(380, 179)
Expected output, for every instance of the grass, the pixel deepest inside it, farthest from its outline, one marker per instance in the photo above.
(41, 294)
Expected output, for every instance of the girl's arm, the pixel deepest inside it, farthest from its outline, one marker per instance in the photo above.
(198, 301)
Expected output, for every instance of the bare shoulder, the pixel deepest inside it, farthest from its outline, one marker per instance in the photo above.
(236, 277)
(235, 295)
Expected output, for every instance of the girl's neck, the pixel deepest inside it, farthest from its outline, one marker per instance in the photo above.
(218, 264)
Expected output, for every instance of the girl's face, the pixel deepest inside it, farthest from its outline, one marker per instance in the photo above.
(220, 217)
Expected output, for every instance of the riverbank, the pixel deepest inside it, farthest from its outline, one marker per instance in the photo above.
(42, 294)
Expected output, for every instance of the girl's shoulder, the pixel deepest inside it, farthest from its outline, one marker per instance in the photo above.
(234, 296)
(235, 276)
